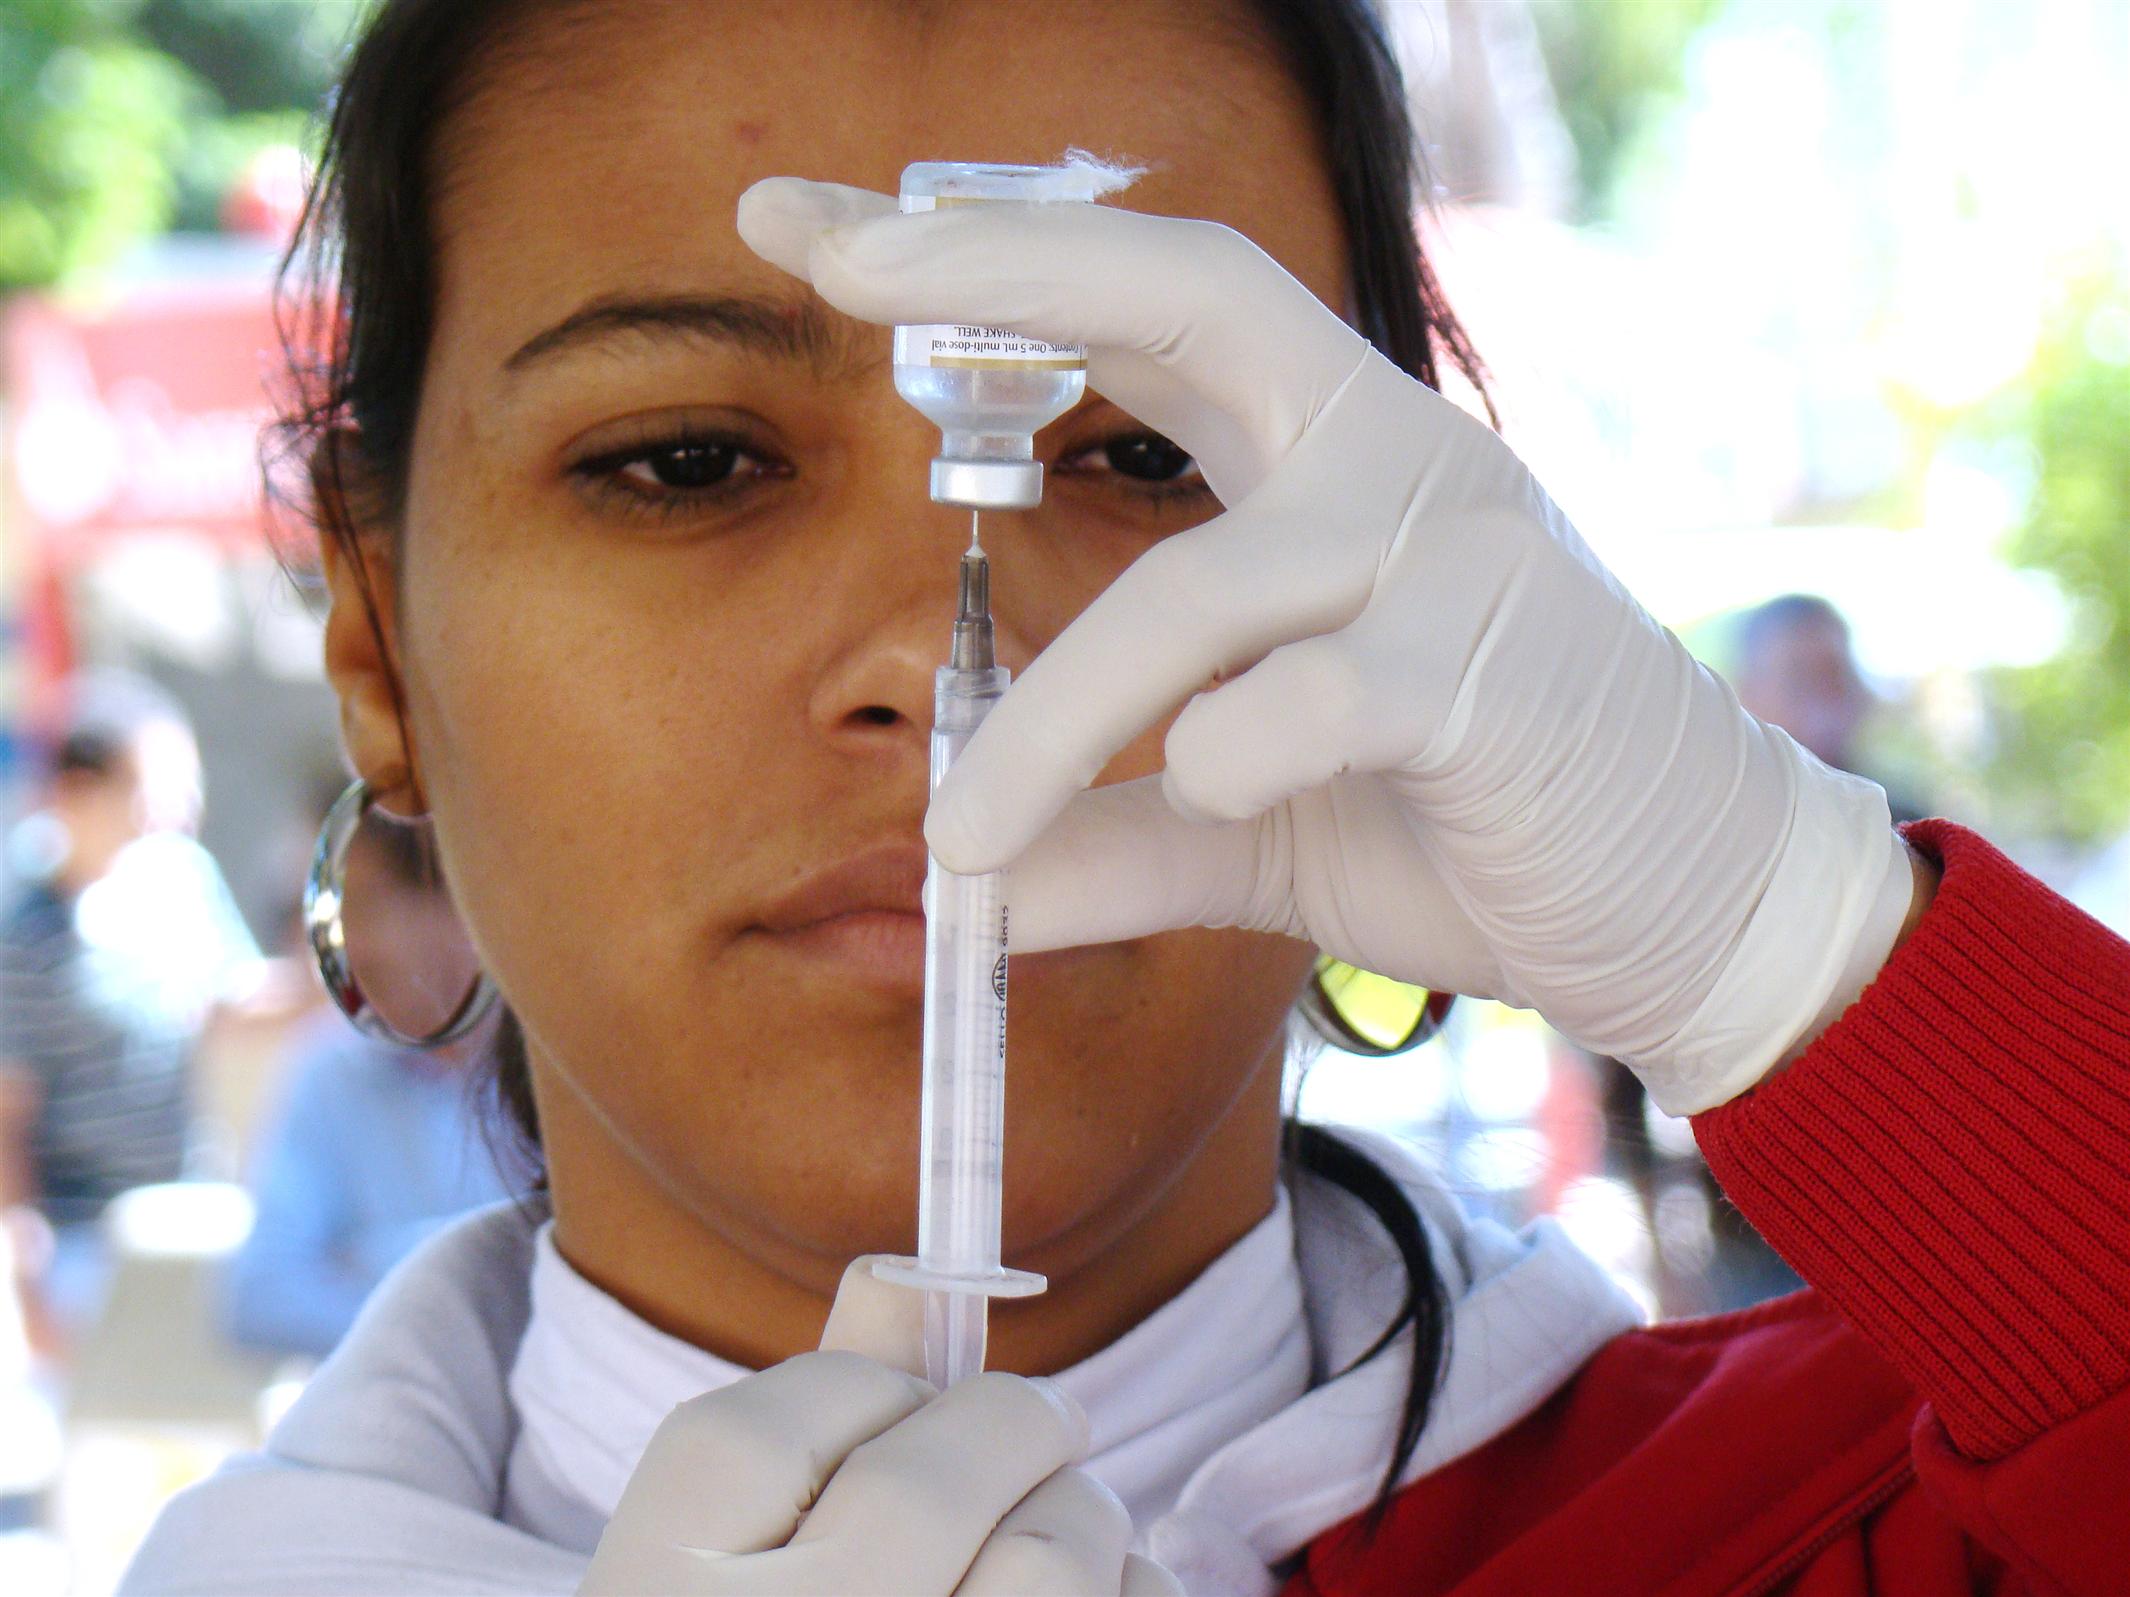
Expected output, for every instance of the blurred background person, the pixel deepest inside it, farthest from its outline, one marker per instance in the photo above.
(370, 1147)
(119, 944)
(1796, 669)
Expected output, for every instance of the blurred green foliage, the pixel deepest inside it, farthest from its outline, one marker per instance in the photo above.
(256, 55)
(2061, 763)
(90, 121)
(1614, 64)
(122, 117)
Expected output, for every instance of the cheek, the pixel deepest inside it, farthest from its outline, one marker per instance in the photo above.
(580, 734)
(1110, 1095)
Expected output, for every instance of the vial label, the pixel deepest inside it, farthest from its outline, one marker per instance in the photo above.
(964, 348)
(983, 349)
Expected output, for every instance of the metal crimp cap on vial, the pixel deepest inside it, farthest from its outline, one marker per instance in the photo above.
(987, 484)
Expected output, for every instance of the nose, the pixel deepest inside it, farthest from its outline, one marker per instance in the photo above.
(877, 688)
(874, 690)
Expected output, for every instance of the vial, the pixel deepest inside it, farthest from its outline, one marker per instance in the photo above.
(988, 390)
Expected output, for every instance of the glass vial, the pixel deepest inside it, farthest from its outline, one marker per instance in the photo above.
(986, 389)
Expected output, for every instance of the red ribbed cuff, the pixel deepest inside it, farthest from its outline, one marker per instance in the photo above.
(1950, 1162)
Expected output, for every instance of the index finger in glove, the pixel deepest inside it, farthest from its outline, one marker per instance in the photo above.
(780, 217)
(735, 1470)
(1196, 605)
(1196, 299)
(1119, 862)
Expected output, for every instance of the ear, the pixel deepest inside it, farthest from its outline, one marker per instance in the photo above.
(358, 549)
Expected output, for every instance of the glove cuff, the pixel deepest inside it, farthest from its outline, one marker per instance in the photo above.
(1873, 944)
(1823, 925)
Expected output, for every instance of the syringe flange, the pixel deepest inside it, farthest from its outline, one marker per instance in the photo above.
(999, 1283)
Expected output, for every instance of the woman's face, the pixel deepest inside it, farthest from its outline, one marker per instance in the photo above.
(671, 595)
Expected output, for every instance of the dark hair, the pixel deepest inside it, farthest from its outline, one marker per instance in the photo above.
(367, 230)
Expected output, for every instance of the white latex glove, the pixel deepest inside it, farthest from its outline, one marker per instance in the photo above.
(841, 1473)
(1450, 747)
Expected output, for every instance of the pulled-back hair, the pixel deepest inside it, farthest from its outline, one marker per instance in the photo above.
(358, 307)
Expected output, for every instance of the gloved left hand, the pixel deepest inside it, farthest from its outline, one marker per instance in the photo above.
(842, 1472)
(1449, 746)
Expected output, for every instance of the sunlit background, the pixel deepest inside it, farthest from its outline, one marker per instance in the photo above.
(1824, 297)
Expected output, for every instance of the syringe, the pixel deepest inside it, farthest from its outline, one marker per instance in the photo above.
(963, 1115)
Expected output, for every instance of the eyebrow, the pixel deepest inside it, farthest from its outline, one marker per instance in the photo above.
(791, 330)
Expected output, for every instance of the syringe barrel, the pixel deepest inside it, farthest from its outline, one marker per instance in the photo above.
(960, 701)
(963, 1111)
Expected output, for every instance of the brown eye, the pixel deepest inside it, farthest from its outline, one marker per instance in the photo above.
(1141, 465)
(684, 465)
(1147, 457)
(679, 472)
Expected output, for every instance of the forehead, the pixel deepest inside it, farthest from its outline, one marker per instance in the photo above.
(607, 146)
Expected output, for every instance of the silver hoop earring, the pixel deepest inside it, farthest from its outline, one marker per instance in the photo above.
(1362, 1013)
(325, 903)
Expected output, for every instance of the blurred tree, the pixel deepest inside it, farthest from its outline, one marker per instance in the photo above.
(119, 118)
(267, 65)
(257, 55)
(2062, 761)
(215, 153)
(1614, 63)
(90, 121)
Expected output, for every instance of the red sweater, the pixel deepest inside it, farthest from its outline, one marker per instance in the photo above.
(1947, 1408)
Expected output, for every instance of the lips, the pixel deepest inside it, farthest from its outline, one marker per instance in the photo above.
(858, 924)
(888, 880)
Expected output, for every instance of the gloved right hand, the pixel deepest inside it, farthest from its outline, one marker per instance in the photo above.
(841, 1472)
(1421, 725)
